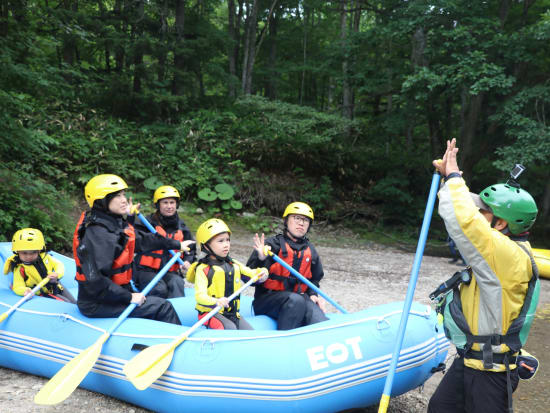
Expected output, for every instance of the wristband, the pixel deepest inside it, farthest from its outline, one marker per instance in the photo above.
(453, 175)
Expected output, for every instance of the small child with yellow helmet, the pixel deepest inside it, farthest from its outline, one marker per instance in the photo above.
(217, 276)
(30, 264)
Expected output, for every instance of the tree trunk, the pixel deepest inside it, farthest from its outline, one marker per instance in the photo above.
(470, 118)
(107, 52)
(231, 31)
(179, 63)
(120, 13)
(250, 49)
(347, 109)
(271, 82)
(304, 54)
(69, 43)
(163, 32)
(4, 14)
(138, 51)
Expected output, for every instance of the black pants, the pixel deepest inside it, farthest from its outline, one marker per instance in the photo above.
(63, 295)
(171, 285)
(154, 308)
(221, 322)
(467, 390)
(291, 310)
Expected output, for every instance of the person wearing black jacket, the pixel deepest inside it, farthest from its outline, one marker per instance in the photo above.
(167, 223)
(104, 244)
(282, 296)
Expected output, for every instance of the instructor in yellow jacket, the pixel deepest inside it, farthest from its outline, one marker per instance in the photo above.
(489, 317)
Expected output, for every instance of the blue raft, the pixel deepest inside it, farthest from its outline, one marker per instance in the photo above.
(331, 366)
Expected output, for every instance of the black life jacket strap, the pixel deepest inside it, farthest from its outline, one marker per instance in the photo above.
(509, 390)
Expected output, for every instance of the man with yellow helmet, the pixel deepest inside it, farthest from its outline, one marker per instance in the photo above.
(283, 297)
(486, 315)
(168, 224)
(104, 244)
(30, 264)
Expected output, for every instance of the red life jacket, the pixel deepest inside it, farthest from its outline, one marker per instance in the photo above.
(280, 278)
(153, 259)
(121, 270)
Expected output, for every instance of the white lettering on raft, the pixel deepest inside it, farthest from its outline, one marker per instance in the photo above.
(335, 353)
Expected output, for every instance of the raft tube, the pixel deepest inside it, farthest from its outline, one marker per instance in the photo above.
(331, 366)
(542, 258)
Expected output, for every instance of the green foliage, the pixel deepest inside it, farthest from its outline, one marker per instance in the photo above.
(524, 120)
(221, 196)
(28, 201)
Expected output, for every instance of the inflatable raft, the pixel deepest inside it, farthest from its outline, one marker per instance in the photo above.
(331, 366)
(542, 258)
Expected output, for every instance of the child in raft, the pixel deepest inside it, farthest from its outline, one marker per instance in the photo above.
(217, 276)
(30, 264)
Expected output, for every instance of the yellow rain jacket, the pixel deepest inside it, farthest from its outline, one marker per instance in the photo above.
(215, 280)
(501, 269)
(27, 276)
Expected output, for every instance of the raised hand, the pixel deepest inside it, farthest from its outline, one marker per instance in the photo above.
(259, 245)
(448, 164)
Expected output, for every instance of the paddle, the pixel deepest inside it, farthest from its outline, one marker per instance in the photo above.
(154, 231)
(385, 399)
(23, 299)
(151, 363)
(303, 279)
(69, 377)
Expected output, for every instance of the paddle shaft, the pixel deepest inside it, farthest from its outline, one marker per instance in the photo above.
(66, 380)
(306, 281)
(145, 291)
(384, 400)
(212, 313)
(24, 298)
(151, 363)
(154, 231)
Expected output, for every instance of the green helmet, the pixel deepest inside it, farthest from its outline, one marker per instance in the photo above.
(513, 204)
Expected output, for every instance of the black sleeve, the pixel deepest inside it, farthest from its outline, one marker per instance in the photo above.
(98, 249)
(190, 256)
(317, 272)
(147, 241)
(255, 262)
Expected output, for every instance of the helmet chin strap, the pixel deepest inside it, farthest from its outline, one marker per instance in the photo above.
(210, 252)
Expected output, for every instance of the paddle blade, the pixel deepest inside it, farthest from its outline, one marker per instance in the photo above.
(149, 365)
(71, 375)
(3, 316)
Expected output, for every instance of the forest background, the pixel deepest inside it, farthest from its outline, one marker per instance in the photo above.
(246, 105)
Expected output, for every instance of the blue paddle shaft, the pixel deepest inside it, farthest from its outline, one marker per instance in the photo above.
(412, 282)
(308, 283)
(145, 291)
(154, 231)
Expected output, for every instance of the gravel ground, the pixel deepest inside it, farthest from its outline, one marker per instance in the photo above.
(354, 277)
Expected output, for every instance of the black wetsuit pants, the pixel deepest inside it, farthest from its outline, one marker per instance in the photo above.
(171, 285)
(154, 308)
(291, 310)
(467, 390)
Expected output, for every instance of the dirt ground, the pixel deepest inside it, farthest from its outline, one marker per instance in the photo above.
(356, 276)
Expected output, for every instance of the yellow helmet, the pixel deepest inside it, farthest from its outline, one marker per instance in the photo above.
(165, 192)
(102, 185)
(28, 239)
(211, 228)
(299, 208)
